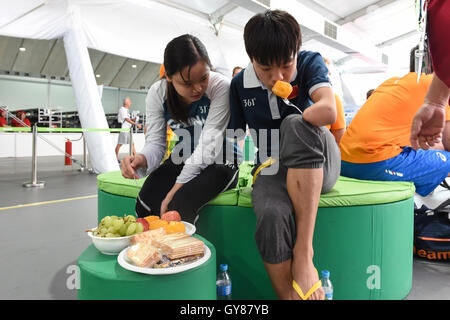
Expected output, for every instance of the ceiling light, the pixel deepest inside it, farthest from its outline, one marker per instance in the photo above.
(97, 75)
(22, 49)
(133, 66)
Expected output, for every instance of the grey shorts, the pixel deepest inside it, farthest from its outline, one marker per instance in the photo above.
(124, 138)
(302, 145)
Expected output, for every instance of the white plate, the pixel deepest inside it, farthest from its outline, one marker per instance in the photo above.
(126, 263)
(190, 228)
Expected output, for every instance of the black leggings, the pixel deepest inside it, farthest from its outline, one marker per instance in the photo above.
(192, 196)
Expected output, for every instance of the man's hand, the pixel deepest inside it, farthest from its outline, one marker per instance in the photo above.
(427, 126)
(130, 164)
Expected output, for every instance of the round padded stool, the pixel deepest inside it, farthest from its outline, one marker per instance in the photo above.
(101, 277)
(363, 236)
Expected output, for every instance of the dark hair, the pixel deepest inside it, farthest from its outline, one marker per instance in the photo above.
(427, 66)
(181, 52)
(236, 68)
(272, 37)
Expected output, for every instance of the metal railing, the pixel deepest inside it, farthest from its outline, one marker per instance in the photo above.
(35, 130)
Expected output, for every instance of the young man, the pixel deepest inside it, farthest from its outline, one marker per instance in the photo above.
(286, 200)
(376, 144)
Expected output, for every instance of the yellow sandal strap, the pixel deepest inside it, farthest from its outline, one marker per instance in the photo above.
(316, 286)
(299, 291)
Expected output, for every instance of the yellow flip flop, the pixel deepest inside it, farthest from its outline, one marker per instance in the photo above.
(313, 289)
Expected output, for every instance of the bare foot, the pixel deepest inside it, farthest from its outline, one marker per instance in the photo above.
(306, 276)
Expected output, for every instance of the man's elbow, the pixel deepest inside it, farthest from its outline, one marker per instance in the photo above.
(332, 113)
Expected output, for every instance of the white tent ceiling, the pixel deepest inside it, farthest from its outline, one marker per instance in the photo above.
(141, 28)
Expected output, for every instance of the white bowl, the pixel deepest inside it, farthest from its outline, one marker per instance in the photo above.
(110, 246)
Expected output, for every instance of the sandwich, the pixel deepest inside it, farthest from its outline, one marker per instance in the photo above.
(143, 255)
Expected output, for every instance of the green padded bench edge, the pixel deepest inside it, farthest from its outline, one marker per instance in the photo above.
(352, 192)
(346, 192)
(114, 183)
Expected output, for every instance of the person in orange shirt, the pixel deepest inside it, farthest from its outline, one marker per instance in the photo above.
(376, 144)
(337, 128)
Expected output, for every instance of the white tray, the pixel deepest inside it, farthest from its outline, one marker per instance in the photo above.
(126, 263)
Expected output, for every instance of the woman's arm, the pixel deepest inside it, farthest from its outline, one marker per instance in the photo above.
(211, 137)
(155, 138)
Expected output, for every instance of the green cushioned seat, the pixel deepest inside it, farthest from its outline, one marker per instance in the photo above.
(364, 230)
(363, 236)
(101, 277)
(351, 192)
(117, 195)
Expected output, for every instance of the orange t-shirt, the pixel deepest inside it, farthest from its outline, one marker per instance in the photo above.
(382, 126)
(340, 120)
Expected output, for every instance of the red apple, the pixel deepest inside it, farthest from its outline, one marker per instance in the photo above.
(144, 223)
(171, 216)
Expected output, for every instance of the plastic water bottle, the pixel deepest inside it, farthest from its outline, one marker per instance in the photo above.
(223, 283)
(326, 285)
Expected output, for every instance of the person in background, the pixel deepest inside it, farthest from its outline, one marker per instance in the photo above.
(429, 125)
(236, 70)
(302, 163)
(23, 117)
(369, 93)
(376, 144)
(191, 98)
(3, 122)
(337, 128)
(124, 118)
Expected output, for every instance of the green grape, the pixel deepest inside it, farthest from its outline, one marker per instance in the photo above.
(117, 224)
(131, 229)
(130, 218)
(117, 235)
(111, 229)
(103, 230)
(139, 227)
(108, 222)
(123, 230)
(109, 235)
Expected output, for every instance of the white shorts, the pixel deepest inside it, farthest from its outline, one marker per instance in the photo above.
(124, 138)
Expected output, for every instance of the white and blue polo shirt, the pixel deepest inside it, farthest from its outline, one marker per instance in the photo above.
(253, 104)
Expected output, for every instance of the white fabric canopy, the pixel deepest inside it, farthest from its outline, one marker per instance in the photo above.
(136, 29)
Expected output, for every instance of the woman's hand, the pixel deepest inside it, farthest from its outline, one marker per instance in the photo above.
(130, 164)
(169, 197)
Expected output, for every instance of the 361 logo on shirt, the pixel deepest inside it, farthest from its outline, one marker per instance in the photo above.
(249, 102)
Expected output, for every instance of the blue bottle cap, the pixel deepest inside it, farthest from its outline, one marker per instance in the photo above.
(325, 273)
(223, 267)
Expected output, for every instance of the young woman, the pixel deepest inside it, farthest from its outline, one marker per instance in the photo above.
(194, 102)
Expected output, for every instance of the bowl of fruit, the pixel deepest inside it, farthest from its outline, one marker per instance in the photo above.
(113, 233)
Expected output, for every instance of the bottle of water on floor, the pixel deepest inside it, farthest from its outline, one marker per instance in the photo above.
(223, 283)
(326, 285)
